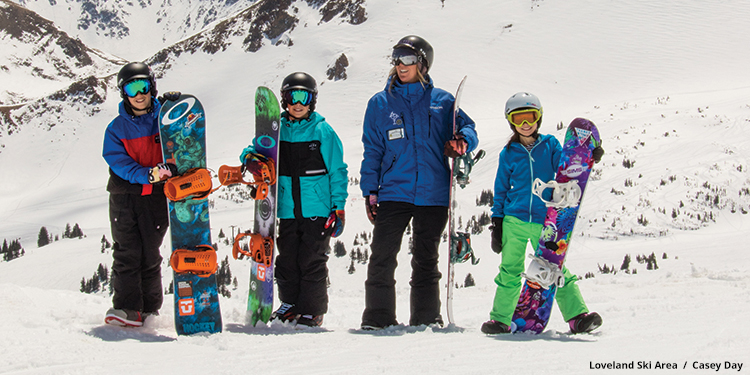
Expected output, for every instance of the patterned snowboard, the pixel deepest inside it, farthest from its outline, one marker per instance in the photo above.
(535, 303)
(182, 125)
(267, 122)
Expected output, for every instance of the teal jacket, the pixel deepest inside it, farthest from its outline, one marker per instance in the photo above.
(313, 177)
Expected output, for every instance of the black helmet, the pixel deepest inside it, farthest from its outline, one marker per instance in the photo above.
(421, 47)
(135, 70)
(299, 81)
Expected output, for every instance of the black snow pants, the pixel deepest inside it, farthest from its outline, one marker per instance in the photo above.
(301, 265)
(138, 224)
(380, 287)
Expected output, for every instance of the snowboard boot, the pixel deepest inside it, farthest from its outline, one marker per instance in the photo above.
(310, 320)
(493, 327)
(284, 313)
(123, 318)
(585, 323)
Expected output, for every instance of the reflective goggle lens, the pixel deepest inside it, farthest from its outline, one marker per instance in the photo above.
(529, 116)
(404, 56)
(303, 97)
(133, 88)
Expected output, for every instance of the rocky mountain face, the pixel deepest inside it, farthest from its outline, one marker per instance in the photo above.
(68, 76)
(37, 58)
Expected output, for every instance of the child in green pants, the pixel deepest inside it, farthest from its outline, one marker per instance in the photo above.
(518, 216)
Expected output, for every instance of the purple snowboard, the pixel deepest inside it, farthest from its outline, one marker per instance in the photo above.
(535, 303)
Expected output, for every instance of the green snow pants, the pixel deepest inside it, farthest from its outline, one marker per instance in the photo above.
(516, 233)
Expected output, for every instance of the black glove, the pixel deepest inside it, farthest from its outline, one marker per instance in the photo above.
(597, 154)
(497, 235)
(169, 95)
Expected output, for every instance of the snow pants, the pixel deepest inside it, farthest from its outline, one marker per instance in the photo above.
(138, 223)
(380, 287)
(516, 234)
(300, 267)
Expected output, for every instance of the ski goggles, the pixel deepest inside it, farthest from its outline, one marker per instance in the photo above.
(136, 86)
(527, 115)
(292, 97)
(404, 56)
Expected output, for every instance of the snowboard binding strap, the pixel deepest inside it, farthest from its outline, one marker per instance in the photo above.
(564, 195)
(195, 184)
(263, 170)
(461, 250)
(464, 164)
(260, 249)
(201, 261)
(542, 273)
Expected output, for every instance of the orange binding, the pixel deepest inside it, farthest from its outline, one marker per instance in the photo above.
(263, 177)
(194, 183)
(260, 248)
(201, 261)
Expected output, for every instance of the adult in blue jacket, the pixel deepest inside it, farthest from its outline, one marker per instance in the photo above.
(405, 176)
(313, 180)
(137, 205)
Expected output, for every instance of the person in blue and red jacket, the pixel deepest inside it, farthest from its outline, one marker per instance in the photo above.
(405, 176)
(137, 204)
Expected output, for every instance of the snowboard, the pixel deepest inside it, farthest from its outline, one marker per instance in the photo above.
(182, 128)
(459, 243)
(535, 302)
(266, 141)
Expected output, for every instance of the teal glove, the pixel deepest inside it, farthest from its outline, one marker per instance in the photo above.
(248, 150)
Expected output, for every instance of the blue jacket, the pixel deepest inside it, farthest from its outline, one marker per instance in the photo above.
(132, 148)
(313, 177)
(517, 169)
(404, 133)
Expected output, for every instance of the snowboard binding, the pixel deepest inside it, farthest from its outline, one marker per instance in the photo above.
(543, 273)
(564, 195)
(461, 250)
(260, 248)
(262, 168)
(464, 164)
(195, 184)
(201, 261)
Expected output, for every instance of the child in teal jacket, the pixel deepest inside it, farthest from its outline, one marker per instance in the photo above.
(312, 191)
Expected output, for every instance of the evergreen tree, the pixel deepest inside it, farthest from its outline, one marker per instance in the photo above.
(76, 232)
(469, 281)
(339, 250)
(43, 238)
(66, 234)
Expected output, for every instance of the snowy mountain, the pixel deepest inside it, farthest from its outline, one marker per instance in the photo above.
(666, 83)
(38, 58)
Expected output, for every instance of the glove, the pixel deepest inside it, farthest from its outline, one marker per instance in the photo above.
(170, 95)
(248, 150)
(336, 220)
(597, 154)
(371, 206)
(455, 147)
(161, 172)
(497, 235)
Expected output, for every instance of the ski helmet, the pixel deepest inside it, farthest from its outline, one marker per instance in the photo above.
(522, 100)
(135, 70)
(299, 81)
(421, 47)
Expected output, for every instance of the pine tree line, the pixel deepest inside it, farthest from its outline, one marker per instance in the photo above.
(13, 250)
(45, 237)
(101, 280)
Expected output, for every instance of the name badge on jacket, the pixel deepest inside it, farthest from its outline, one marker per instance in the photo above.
(395, 134)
